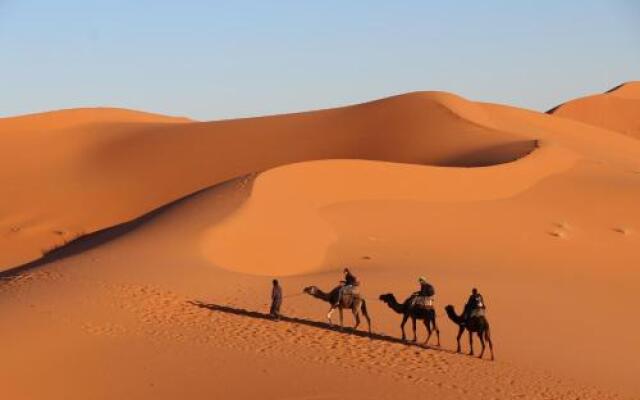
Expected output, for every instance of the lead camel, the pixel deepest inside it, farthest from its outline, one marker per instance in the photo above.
(355, 303)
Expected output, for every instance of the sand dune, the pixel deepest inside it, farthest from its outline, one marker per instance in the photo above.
(78, 178)
(616, 109)
(95, 168)
(538, 211)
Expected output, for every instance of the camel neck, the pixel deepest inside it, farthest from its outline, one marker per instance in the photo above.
(319, 294)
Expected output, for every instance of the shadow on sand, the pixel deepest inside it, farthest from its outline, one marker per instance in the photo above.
(90, 241)
(316, 324)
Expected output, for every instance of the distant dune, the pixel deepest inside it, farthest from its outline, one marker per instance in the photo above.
(616, 109)
(160, 236)
(79, 116)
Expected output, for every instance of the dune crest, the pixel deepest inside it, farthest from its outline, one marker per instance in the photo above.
(78, 116)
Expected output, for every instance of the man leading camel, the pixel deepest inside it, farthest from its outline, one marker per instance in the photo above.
(276, 300)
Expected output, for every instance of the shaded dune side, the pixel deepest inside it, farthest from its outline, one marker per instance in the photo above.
(71, 172)
(618, 109)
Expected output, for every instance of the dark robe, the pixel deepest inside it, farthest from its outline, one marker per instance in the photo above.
(276, 300)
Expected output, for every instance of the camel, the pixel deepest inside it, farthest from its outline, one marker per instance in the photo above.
(428, 315)
(355, 303)
(478, 324)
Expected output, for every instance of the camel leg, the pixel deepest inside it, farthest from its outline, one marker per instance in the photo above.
(488, 337)
(481, 336)
(402, 324)
(329, 315)
(460, 332)
(341, 317)
(363, 306)
(413, 324)
(356, 316)
(435, 327)
(428, 326)
(470, 343)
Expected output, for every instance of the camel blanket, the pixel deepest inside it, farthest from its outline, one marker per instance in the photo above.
(348, 293)
(423, 301)
(477, 312)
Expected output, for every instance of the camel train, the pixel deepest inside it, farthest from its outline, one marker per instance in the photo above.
(418, 306)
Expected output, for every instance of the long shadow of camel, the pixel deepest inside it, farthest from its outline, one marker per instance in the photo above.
(316, 324)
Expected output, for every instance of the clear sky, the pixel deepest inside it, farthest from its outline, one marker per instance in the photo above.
(212, 60)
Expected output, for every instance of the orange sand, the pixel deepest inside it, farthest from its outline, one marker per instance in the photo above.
(539, 211)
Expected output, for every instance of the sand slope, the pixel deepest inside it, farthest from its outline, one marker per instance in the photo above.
(536, 210)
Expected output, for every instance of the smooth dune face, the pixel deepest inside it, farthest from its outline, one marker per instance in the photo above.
(283, 219)
(615, 110)
(538, 211)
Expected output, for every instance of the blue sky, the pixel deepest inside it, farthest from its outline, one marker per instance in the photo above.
(213, 60)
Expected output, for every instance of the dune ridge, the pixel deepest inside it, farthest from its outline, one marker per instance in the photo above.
(66, 118)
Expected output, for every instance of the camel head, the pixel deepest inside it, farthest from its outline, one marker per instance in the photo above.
(387, 298)
(312, 290)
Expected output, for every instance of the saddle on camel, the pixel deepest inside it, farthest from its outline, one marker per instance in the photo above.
(424, 298)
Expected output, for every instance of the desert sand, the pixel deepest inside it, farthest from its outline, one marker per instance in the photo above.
(138, 250)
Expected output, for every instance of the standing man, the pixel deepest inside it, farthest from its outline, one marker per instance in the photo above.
(276, 300)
